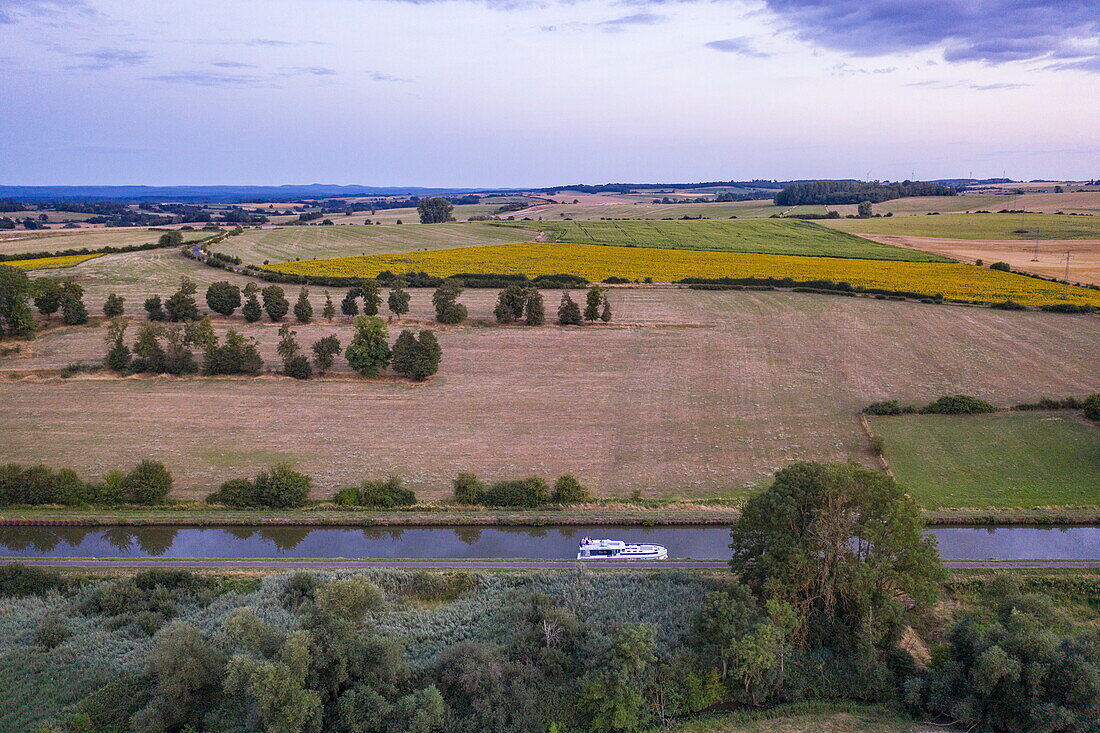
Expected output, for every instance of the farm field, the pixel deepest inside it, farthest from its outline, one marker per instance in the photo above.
(1084, 253)
(688, 393)
(19, 243)
(592, 208)
(1008, 459)
(769, 236)
(976, 226)
(279, 245)
(598, 262)
(49, 263)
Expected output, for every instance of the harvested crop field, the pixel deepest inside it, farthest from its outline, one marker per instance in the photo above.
(764, 236)
(598, 262)
(707, 393)
(976, 226)
(308, 242)
(63, 239)
(1084, 253)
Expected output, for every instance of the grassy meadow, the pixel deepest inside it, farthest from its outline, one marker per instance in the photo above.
(976, 226)
(1008, 459)
(766, 236)
(598, 262)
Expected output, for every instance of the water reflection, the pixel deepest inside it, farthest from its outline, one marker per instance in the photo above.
(1005, 543)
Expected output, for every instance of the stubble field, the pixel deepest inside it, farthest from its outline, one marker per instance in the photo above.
(690, 393)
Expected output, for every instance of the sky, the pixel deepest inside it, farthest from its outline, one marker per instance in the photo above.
(514, 93)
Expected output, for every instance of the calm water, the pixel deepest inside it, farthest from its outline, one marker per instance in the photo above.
(960, 543)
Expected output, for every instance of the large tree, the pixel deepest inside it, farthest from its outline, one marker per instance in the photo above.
(445, 300)
(842, 544)
(275, 303)
(369, 352)
(435, 210)
(181, 305)
(15, 315)
(223, 297)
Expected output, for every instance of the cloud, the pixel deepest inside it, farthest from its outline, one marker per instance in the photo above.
(991, 87)
(617, 25)
(308, 71)
(740, 45)
(12, 11)
(382, 76)
(989, 31)
(209, 79)
(936, 84)
(233, 65)
(108, 58)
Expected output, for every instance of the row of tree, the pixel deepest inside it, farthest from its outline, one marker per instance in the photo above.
(516, 303)
(168, 349)
(48, 294)
(147, 483)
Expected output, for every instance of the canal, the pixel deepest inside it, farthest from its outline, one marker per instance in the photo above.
(701, 543)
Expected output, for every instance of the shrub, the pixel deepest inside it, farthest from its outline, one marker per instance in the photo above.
(252, 311)
(114, 306)
(148, 483)
(303, 310)
(878, 444)
(236, 492)
(445, 300)
(528, 492)
(568, 490)
(1092, 407)
(297, 367)
(275, 303)
(534, 311)
(281, 487)
(468, 489)
(1002, 266)
(324, 352)
(154, 308)
(17, 580)
(52, 632)
(1009, 305)
(416, 357)
(237, 355)
(569, 313)
(379, 494)
(959, 404)
(886, 407)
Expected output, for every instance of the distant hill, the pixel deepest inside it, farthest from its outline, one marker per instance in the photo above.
(957, 182)
(221, 194)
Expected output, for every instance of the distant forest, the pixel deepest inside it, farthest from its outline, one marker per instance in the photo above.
(854, 192)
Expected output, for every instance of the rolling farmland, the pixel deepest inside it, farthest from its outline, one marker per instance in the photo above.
(976, 226)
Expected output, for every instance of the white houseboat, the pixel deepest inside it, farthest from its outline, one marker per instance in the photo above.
(591, 549)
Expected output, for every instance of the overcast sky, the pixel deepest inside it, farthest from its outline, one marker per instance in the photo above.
(545, 92)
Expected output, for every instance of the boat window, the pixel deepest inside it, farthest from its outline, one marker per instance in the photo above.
(603, 552)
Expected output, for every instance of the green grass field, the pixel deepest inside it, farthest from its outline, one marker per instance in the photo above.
(289, 243)
(1006, 459)
(976, 226)
(766, 236)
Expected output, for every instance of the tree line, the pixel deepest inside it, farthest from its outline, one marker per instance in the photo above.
(854, 192)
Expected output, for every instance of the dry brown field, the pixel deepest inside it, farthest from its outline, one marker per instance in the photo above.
(52, 241)
(1084, 263)
(689, 393)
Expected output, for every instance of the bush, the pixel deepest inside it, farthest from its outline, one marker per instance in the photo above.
(568, 490)
(1009, 305)
(281, 487)
(298, 367)
(18, 580)
(1092, 407)
(528, 492)
(1002, 266)
(886, 407)
(148, 483)
(878, 444)
(52, 632)
(959, 404)
(236, 492)
(468, 489)
(377, 494)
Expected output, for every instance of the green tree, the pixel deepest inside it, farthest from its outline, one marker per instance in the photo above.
(418, 356)
(568, 490)
(594, 299)
(510, 303)
(149, 356)
(445, 301)
(535, 311)
(840, 543)
(372, 297)
(154, 308)
(275, 303)
(73, 312)
(173, 238)
(186, 672)
(277, 688)
(181, 305)
(223, 297)
(237, 355)
(1092, 407)
(148, 483)
(114, 306)
(569, 313)
(201, 333)
(252, 311)
(324, 353)
(178, 358)
(613, 700)
(303, 311)
(435, 210)
(605, 314)
(349, 306)
(47, 295)
(864, 210)
(369, 351)
(118, 353)
(468, 489)
(294, 364)
(398, 300)
(329, 311)
(16, 318)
